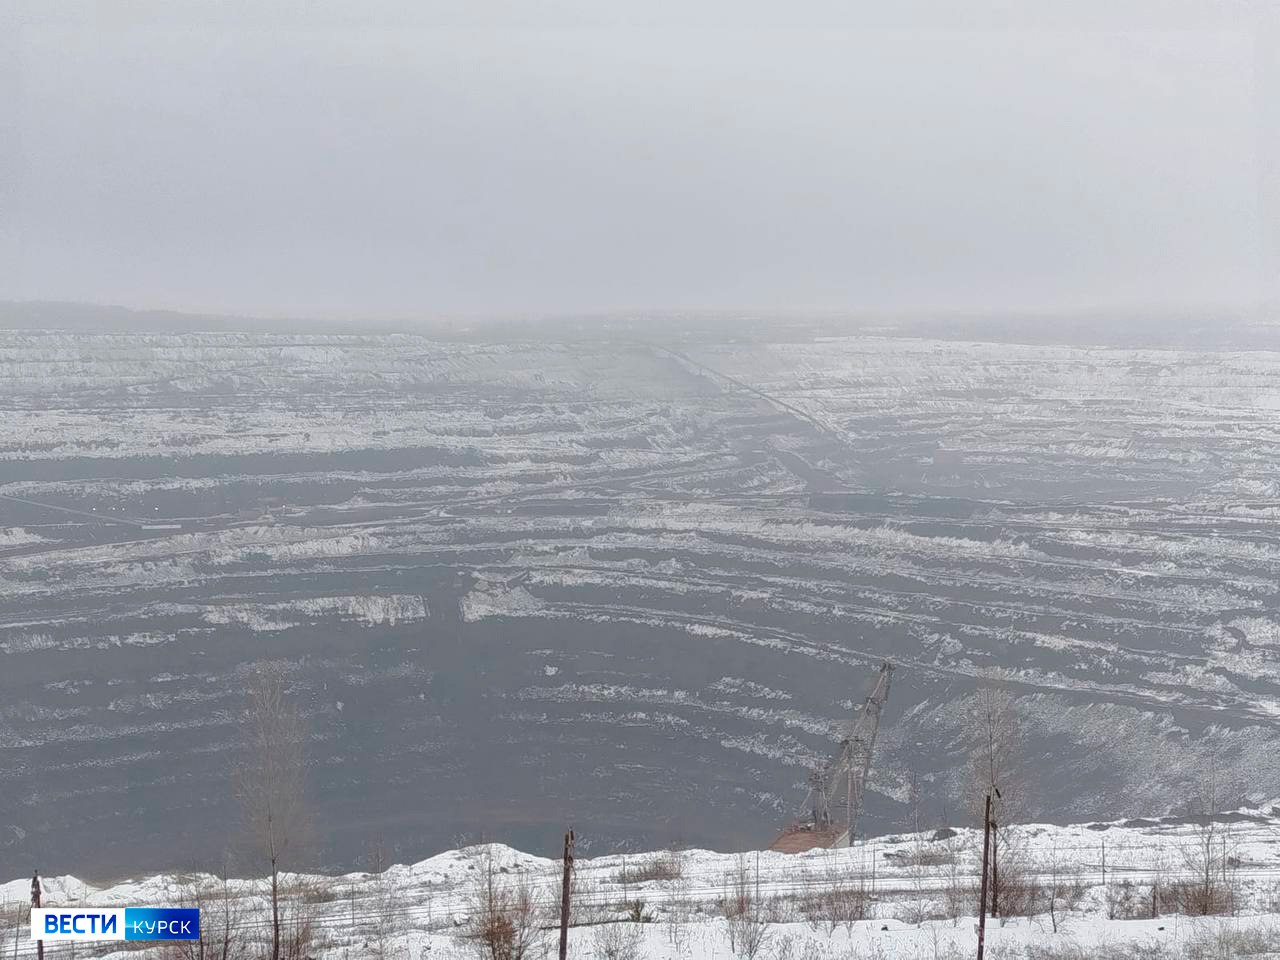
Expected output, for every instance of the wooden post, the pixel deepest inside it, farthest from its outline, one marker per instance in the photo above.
(995, 868)
(757, 878)
(564, 895)
(873, 871)
(982, 898)
(35, 903)
(1106, 899)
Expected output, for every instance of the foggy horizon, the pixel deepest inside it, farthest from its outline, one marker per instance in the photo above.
(1030, 314)
(486, 164)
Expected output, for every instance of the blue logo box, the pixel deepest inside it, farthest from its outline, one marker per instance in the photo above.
(159, 923)
(115, 923)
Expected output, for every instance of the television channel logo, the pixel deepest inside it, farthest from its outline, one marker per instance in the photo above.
(115, 923)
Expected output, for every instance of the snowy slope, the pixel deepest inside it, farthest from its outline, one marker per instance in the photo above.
(1101, 873)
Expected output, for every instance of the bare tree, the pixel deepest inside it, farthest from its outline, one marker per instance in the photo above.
(1066, 887)
(614, 940)
(387, 906)
(919, 859)
(1211, 885)
(747, 921)
(1016, 887)
(841, 898)
(15, 915)
(678, 890)
(301, 928)
(1204, 858)
(504, 916)
(997, 729)
(224, 921)
(996, 725)
(959, 888)
(269, 781)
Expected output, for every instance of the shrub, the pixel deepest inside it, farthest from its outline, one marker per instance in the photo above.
(616, 941)
(667, 865)
(504, 917)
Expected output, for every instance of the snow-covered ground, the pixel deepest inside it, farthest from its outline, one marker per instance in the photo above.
(909, 896)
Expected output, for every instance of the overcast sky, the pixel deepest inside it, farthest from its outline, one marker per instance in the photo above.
(436, 159)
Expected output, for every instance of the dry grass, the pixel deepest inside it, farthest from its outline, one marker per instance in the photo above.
(925, 855)
(616, 941)
(1245, 942)
(665, 866)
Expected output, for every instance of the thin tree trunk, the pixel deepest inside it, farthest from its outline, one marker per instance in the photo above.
(982, 904)
(275, 912)
(995, 870)
(1053, 902)
(564, 895)
(226, 918)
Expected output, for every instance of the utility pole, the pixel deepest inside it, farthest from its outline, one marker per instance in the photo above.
(982, 899)
(1110, 911)
(995, 869)
(564, 895)
(995, 853)
(35, 904)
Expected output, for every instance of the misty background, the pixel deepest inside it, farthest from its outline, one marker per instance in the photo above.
(442, 159)
(801, 394)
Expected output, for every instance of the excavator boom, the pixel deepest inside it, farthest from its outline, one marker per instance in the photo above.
(840, 786)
